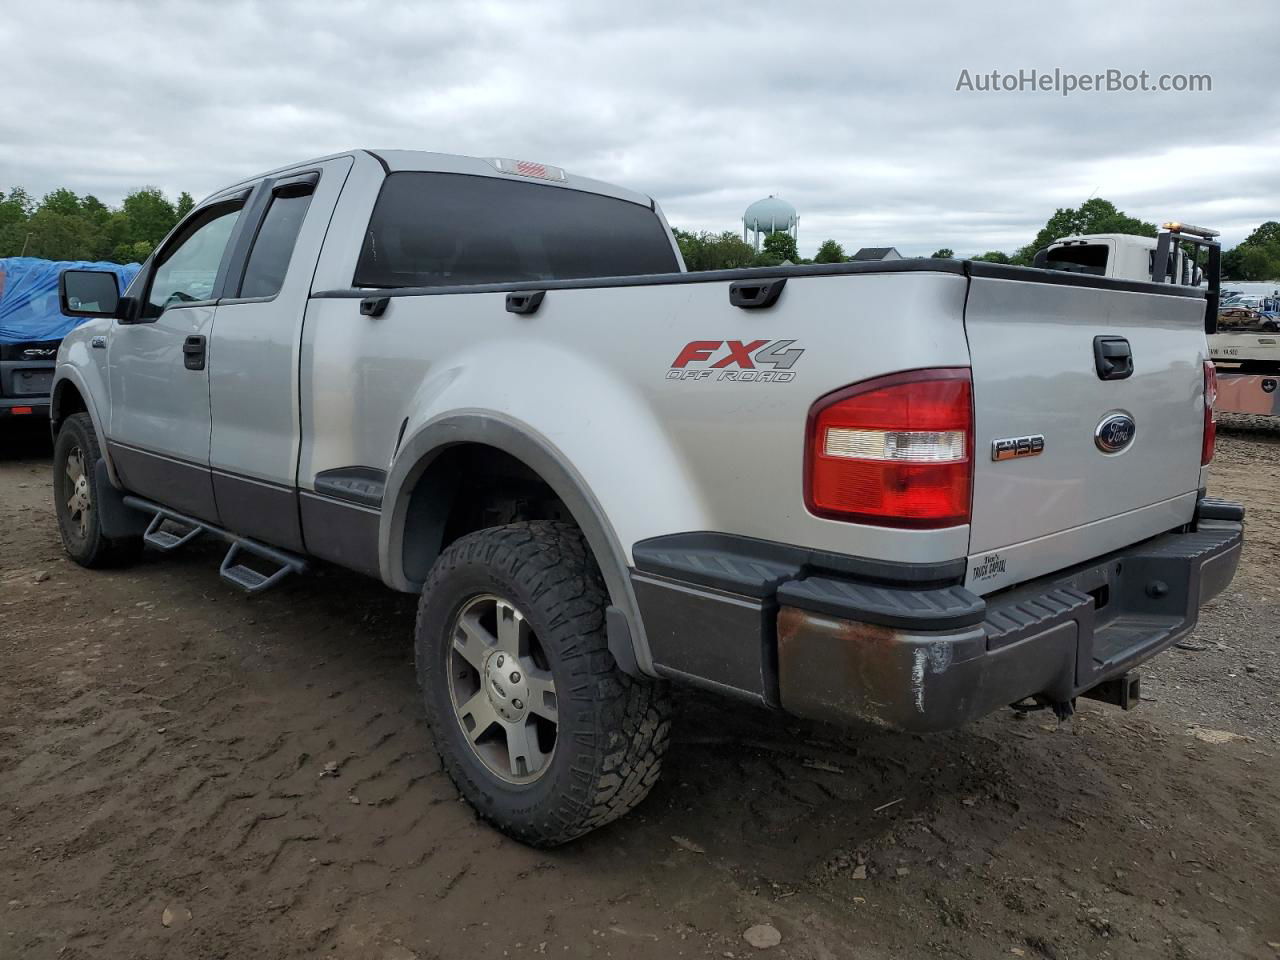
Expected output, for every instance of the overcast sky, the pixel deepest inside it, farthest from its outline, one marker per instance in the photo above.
(848, 110)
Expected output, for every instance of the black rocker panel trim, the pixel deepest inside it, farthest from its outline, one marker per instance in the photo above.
(341, 532)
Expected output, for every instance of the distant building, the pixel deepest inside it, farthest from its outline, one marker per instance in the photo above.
(770, 215)
(877, 253)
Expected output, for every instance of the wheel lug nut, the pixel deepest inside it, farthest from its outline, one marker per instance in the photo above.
(515, 677)
(518, 704)
(499, 659)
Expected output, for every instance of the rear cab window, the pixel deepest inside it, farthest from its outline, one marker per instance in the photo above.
(273, 246)
(448, 229)
(1088, 258)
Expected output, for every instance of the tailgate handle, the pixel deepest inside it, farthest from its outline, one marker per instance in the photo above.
(374, 306)
(525, 302)
(756, 294)
(1113, 358)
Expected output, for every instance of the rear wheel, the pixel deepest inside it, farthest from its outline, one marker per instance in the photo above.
(76, 496)
(537, 726)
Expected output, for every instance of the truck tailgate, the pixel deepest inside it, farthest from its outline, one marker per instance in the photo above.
(1057, 497)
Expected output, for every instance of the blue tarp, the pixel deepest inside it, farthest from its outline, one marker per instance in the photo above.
(29, 296)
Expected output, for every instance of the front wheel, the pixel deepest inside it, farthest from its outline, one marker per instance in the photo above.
(537, 726)
(76, 497)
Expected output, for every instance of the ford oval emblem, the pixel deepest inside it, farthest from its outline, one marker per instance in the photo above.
(1115, 432)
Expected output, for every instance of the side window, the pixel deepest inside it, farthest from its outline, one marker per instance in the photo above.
(273, 247)
(187, 270)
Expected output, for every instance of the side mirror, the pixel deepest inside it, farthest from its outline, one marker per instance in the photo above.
(89, 293)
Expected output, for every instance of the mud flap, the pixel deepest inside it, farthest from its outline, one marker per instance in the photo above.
(116, 520)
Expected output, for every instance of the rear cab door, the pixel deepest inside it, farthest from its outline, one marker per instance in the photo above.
(254, 352)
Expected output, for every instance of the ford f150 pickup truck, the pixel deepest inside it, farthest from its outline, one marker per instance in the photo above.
(904, 493)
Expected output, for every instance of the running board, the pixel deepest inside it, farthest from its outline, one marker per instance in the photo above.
(232, 570)
(166, 540)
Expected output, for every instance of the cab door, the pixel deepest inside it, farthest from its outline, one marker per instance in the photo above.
(159, 425)
(254, 355)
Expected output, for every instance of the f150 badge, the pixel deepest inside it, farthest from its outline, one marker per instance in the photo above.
(1010, 448)
(736, 360)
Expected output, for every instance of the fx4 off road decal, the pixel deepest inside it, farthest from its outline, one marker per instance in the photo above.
(758, 361)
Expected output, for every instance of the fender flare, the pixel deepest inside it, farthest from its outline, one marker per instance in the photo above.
(627, 641)
(63, 375)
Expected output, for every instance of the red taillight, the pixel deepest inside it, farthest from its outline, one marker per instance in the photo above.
(20, 410)
(893, 452)
(1210, 425)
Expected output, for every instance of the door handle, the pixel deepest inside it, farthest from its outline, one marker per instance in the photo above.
(1113, 358)
(193, 351)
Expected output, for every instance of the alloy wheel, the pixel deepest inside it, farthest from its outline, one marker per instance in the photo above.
(503, 694)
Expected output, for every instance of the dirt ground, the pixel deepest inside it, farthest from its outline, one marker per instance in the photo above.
(163, 791)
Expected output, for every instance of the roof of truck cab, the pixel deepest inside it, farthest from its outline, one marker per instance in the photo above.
(1080, 237)
(424, 161)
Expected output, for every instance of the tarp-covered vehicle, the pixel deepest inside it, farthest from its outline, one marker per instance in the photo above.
(32, 326)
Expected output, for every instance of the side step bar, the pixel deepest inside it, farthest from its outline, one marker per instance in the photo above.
(232, 570)
(164, 539)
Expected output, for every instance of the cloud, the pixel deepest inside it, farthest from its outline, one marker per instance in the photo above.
(848, 110)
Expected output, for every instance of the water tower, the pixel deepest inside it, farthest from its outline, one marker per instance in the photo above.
(770, 215)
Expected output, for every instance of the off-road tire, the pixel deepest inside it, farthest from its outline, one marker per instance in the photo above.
(612, 728)
(91, 548)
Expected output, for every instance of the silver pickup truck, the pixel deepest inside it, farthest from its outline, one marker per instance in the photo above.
(905, 493)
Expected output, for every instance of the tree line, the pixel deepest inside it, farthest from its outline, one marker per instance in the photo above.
(1257, 257)
(66, 226)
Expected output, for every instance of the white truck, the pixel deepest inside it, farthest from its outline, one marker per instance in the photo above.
(1244, 335)
(491, 383)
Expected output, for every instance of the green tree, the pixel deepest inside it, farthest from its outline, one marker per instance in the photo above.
(1257, 257)
(1268, 234)
(61, 201)
(946, 253)
(1258, 263)
(781, 245)
(830, 252)
(184, 205)
(54, 235)
(64, 226)
(708, 251)
(1093, 216)
(150, 215)
(15, 211)
(994, 256)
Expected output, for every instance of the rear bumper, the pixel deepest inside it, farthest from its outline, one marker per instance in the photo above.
(24, 386)
(937, 657)
(30, 408)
